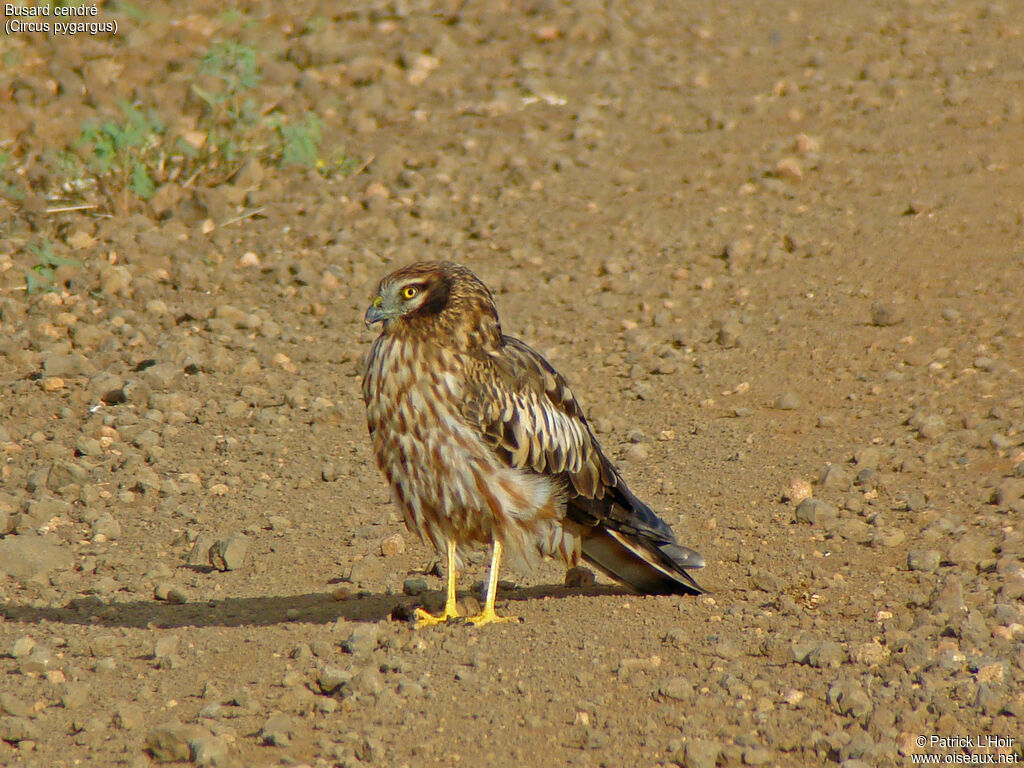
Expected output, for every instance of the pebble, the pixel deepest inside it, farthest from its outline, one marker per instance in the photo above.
(787, 401)
(362, 640)
(392, 545)
(200, 552)
(637, 452)
(815, 512)
(826, 654)
(926, 560)
(166, 646)
(22, 647)
(835, 477)
(700, 753)
(11, 705)
(330, 678)
(849, 699)
(678, 688)
(17, 729)
(949, 596)
(107, 527)
(579, 577)
(229, 554)
(885, 313)
(170, 592)
(278, 730)
(970, 549)
(415, 586)
(797, 490)
(28, 557)
(173, 741)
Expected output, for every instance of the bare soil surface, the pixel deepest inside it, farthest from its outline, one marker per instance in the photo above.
(776, 247)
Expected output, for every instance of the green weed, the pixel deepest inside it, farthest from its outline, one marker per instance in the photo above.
(40, 277)
(129, 148)
(133, 153)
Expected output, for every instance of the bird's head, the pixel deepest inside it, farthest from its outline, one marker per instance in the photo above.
(435, 297)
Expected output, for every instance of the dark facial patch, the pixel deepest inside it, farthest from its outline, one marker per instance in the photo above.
(438, 290)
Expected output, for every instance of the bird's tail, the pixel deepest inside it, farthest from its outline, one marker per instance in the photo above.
(647, 565)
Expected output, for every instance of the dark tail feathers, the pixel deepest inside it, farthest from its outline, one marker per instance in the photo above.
(647, 565)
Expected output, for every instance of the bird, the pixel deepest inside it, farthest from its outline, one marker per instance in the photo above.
(483, 443)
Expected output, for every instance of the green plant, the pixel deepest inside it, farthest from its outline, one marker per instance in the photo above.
(134, 153)
(129, 148)
(40, 276)
(300, 142)
(234, 65)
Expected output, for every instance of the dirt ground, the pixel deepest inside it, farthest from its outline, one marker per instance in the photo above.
(776, 247)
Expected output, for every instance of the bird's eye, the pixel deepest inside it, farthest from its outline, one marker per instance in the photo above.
(409, 292)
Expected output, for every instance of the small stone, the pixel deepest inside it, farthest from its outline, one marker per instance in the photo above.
(278, 730)
(971, 550)
(74, 695)
(766, 581)
(757, 755)
(926, 560)
(637, 452)
(931, 427)
(700, 753)
(26, 557)
(166, 646)
(170, 742)
(802, 649)
(1009, 491)
(869, 654)
(206, 749)
(949, 597)
(797, 490)
(415, 586)
(11, 705)
(22, 647)
(229, 554)
(169, 591)
(730, 334)
(18, 729)
(815, 512)
(362, 640)
(200, 552)
(884, 313)
(678, 688)
(106, 526)
(331, 678)
(888, 537)
(392, 545)
(849, 699)
(827, 654)
(787, 401)
(579, 577)
(835, 477)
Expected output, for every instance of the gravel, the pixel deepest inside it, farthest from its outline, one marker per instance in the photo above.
(813, 375)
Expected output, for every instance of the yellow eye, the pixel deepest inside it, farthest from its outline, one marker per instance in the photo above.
(409, 292)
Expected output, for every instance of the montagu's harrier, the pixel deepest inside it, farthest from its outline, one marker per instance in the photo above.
(483, 443)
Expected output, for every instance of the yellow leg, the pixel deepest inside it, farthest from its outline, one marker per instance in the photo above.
(487, 615)
(424, 619)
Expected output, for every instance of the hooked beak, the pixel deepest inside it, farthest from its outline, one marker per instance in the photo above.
(375, 312)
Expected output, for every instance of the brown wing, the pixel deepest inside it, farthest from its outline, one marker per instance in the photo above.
(526, 412)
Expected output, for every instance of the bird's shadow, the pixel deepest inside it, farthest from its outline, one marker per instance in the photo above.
(312, 608)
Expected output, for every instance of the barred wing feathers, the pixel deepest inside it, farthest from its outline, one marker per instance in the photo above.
(527, 414)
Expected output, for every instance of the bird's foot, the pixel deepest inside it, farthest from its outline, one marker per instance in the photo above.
(423, 619)
(488, 616)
